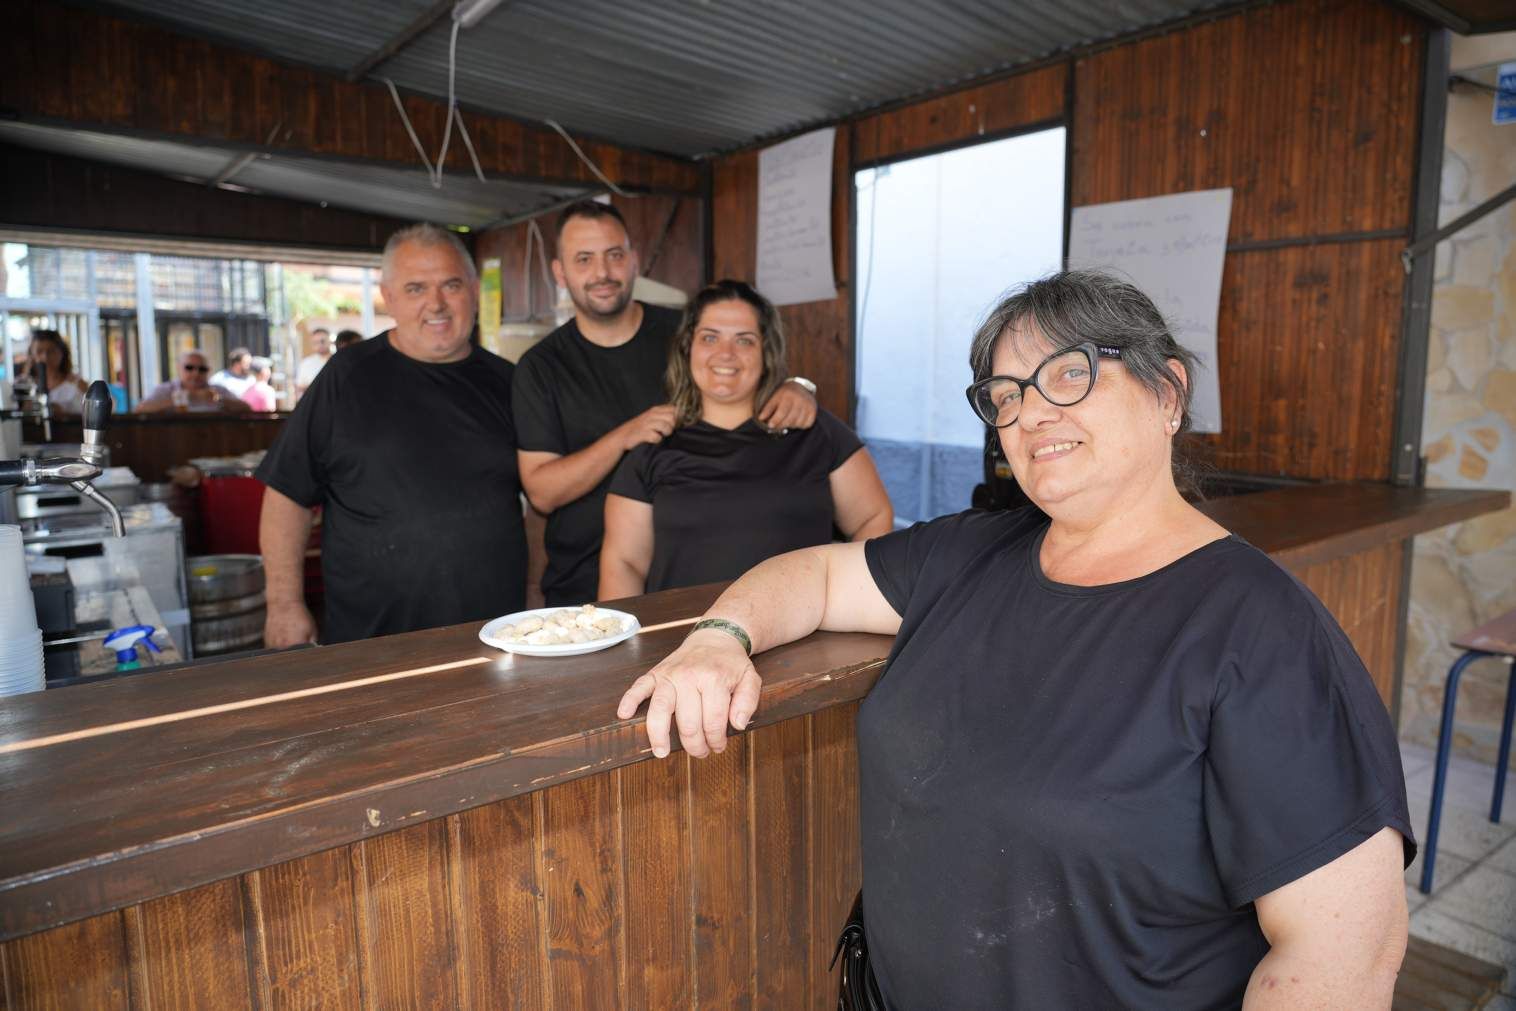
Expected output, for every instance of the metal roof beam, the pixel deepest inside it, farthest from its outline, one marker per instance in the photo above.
(436, 12)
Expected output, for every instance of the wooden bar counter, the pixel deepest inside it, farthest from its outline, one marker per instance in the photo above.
(423, 821)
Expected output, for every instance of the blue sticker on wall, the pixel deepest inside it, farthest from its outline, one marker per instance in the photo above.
(1505, 98)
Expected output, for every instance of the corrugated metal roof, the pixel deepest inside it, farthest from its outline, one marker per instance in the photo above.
(399, 193)
(332, 35)
(684, 76)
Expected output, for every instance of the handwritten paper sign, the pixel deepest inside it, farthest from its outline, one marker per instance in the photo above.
(795, 219)
(1172, 248)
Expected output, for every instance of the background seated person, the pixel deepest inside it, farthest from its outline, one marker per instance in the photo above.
(65, 390)
(260, 396)
(192, 391)
(238, 374)
(722, 492)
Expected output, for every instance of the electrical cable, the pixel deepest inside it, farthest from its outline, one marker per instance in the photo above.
(468, 142)
(452, 102)
(585, 158)
(434, 172)
(406, 122)
(547, 275)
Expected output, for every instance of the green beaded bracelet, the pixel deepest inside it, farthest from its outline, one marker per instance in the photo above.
(731, 628)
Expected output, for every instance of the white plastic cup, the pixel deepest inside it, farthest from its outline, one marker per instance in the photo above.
(21, 665)
(18, 609)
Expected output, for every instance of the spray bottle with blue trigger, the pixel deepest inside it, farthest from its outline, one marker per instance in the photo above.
(124, 642)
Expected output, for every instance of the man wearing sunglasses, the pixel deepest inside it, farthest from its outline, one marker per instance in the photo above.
(191, 390)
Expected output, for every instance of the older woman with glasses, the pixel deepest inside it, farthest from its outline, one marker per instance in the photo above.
(191, 391)
(1118, 757)
(722, 492)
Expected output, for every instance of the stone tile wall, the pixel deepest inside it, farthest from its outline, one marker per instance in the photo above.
(1466, 574)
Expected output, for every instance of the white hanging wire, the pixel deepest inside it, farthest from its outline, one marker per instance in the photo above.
(586, 159)
(452, 101)
(547, 275)
(406, 122)
(468, 143)
(434, 171)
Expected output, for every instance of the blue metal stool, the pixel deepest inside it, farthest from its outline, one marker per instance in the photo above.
(1494, 638)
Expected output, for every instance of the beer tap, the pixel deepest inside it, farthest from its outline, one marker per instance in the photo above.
(76, 472)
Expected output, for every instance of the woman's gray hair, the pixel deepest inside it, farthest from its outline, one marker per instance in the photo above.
(1074, 306)
(425, 233)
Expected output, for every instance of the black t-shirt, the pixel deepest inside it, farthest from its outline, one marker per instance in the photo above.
(569, 392)
(723, 501)
(1071, 796)
(416, 466)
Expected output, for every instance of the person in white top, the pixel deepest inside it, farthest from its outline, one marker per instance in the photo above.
(65, 390)
(319, 344)
(237, 378)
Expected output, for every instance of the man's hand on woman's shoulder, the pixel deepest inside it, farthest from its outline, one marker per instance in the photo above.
(791, 406)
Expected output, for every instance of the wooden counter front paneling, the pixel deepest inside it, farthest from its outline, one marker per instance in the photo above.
(487, 834)
(722, 882)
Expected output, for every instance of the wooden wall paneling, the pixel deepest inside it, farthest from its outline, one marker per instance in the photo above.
(655, 824)
(996, 107)
(497, 903)
(1267, 102)
(1307, 346)
(582, 878)
(835, 858)
(187, 950)
(81, 965)
(1363, 593)
(405, 933)
(780, 823)
(734, 216)
(820, 333)
(302, 932)
(722, 877)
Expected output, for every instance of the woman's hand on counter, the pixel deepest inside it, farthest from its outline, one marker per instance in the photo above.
(288, 624)
(704, 684)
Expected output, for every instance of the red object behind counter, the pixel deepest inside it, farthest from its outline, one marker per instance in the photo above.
(229, 510)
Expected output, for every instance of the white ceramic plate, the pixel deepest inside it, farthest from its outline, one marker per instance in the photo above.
(489, 634)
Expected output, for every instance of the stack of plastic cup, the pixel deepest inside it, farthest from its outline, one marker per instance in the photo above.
(20, 640)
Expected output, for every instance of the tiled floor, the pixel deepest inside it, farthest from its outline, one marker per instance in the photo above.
(1472, 907)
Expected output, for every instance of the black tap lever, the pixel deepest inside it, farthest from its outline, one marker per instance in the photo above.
(96, 415)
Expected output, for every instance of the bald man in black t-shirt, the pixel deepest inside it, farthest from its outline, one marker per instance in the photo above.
(407, 442)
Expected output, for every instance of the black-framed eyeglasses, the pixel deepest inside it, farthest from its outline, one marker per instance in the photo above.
(196, 368)
(1063, 378)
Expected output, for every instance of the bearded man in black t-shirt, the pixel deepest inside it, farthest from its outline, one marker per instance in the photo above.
(407, 442)
(593, 389)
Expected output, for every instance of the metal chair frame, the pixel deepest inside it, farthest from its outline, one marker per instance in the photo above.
(1445, 748)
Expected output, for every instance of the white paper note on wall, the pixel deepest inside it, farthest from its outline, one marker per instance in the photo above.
(795, 219)
(1172, 248)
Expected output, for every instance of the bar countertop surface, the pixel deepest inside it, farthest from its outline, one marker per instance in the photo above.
(119, 792)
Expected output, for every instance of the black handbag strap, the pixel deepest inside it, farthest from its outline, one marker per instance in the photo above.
(858, 989)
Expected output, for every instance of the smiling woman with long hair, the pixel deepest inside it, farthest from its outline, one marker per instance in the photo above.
(722, 492)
